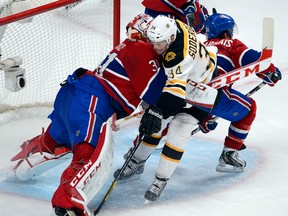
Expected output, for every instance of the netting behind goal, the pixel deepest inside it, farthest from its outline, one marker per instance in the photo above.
(53, 45)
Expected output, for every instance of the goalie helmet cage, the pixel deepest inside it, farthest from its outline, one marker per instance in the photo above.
(62, 36)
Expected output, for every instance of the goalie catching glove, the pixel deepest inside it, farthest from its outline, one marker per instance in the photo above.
(271, 75)
(151, 121)
(208, 124)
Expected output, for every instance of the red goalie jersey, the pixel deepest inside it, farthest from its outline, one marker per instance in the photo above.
(135, 67)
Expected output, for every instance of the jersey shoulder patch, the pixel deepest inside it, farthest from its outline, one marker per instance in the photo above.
(176, 52)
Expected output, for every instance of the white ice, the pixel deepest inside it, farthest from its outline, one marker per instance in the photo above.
(195, 188)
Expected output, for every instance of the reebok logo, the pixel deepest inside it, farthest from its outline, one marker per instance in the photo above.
(155, 114)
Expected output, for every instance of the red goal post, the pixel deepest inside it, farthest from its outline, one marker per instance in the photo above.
(60, 3)
(62, 36)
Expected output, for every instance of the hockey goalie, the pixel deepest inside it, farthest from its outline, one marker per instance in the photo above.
(41, 154)
(81, 119)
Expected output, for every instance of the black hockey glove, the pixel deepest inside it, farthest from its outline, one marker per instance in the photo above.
(151, 121)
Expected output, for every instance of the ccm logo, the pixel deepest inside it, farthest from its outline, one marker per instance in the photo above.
(233, 77)
(83, 171)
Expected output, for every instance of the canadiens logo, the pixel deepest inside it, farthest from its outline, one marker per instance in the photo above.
(170, 56)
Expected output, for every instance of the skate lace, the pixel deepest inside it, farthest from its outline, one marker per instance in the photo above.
(232, 158)
(131, 168)
(157, 186)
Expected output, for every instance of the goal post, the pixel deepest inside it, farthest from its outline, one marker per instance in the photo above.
(62, 36)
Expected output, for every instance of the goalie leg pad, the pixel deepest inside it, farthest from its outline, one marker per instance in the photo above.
(62, 196)
(81, 182)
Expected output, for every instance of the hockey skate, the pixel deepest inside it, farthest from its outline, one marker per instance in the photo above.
(134, 167)
(155, 190)
(126, 155)
(229, 161)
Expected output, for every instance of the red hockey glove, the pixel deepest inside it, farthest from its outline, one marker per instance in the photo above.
(195, 14)
(271, 75)
(151, 121)
(208, 125)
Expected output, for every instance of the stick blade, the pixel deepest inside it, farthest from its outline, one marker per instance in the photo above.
(268, 33)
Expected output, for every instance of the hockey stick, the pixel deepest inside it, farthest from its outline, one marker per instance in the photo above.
(260, 65)
(239, 73)
(115, 181)
(118, 122)
(196, 130)
(255, 67)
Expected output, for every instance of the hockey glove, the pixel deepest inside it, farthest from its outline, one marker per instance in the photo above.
(151, 121)
(208, 125)
(271, 75)
(195, 15)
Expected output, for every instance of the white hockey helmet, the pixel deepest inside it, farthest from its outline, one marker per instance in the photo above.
(136, 28)
(162, 28)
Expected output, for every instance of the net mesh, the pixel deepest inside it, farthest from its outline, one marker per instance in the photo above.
(52, 46)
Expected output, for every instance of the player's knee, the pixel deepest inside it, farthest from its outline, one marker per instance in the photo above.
(252, 114)
(187, 123)
(246, 122)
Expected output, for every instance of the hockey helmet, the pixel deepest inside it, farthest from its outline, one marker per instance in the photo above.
(162, 28)
(218, 23)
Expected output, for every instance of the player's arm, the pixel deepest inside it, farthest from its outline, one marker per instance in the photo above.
(195, 14)
(175, 3)
(242, 55)
(246, 56)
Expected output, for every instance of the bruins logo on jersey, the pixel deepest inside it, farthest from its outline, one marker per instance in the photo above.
(170, 56)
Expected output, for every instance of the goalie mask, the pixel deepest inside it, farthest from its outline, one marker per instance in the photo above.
(136, 28)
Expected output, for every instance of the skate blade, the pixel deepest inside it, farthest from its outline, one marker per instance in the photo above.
(229, 169)
(147, 202)
(130, 179)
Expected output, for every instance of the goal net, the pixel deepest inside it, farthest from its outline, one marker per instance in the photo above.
(56, 42)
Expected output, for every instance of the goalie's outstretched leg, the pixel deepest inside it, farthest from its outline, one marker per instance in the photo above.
(39, 155)
(41, 143)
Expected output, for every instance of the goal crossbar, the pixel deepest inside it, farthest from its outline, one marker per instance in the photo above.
(35, 11)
